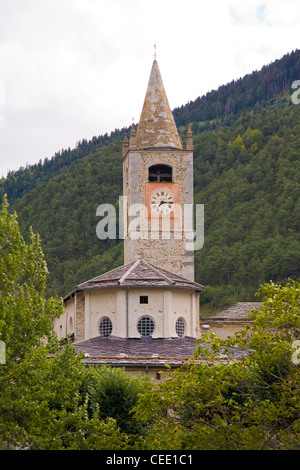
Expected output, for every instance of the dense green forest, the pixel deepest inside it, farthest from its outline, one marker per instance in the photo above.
(246, 173)
(20, 182)
(264, 88)
(247, 176)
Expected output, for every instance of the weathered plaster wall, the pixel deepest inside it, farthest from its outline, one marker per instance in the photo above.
(64, 325)
(123, 307)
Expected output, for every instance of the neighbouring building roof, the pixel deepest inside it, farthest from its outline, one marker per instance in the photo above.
(148, 351)
(238, 312)
(156, 126)
(139, 273)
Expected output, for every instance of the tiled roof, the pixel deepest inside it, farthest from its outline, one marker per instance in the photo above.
(140, 273)
(239, 311)
(142, 351)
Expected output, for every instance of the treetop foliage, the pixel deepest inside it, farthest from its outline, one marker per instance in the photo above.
(41, 406)
(51, 401)
(250, 404)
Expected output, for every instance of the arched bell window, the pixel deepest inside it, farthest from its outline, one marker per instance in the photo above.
(160, 174)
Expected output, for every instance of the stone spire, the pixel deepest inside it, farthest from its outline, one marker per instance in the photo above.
(156, 126)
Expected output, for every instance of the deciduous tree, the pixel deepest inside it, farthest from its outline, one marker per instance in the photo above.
(233, 405)
(40, 404)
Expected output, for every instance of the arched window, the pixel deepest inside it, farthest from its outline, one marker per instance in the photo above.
(145, 326)
(180, 327)
(105, 327)
(160, 173)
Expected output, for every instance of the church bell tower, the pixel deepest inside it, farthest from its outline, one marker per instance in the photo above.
(158, 187)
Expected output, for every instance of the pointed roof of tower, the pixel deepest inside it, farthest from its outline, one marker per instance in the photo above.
(157, 127)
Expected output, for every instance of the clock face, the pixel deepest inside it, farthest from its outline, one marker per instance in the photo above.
(162, 201)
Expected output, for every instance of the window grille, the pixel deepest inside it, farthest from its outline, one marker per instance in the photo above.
(145, 326)
(143, 299)
(105, 327)
(180, 327)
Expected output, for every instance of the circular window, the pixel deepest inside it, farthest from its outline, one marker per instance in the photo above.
(105, 327)
(180, 327)
(145, 326)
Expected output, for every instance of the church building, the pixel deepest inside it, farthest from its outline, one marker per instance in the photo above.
(145, 313)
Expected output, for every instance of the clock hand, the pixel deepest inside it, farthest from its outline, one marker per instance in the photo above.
(165, 202)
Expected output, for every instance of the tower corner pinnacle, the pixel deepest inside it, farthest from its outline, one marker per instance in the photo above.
(189, 138)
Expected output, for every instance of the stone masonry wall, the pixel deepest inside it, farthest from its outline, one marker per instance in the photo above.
(79, 316)
(170, 253)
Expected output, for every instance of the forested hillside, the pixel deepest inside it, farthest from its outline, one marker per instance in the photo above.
(268, 87)
(247, 176)
(246, 173)
(63, 212)
(20, 182)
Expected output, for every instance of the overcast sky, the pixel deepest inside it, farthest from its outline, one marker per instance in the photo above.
(74, 69)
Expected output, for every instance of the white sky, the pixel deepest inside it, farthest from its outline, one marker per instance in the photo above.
(74, 69)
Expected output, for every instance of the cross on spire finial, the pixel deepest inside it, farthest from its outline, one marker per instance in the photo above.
(155, 51)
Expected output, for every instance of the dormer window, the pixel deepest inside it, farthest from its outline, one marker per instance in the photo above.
(160, 174)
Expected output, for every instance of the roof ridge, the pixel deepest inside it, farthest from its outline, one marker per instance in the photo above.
(96, 278)
(157, 271)
(135, 264)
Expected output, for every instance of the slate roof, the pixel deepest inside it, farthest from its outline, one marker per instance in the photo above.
(140, 273)
(238, 312)
(148, 351)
